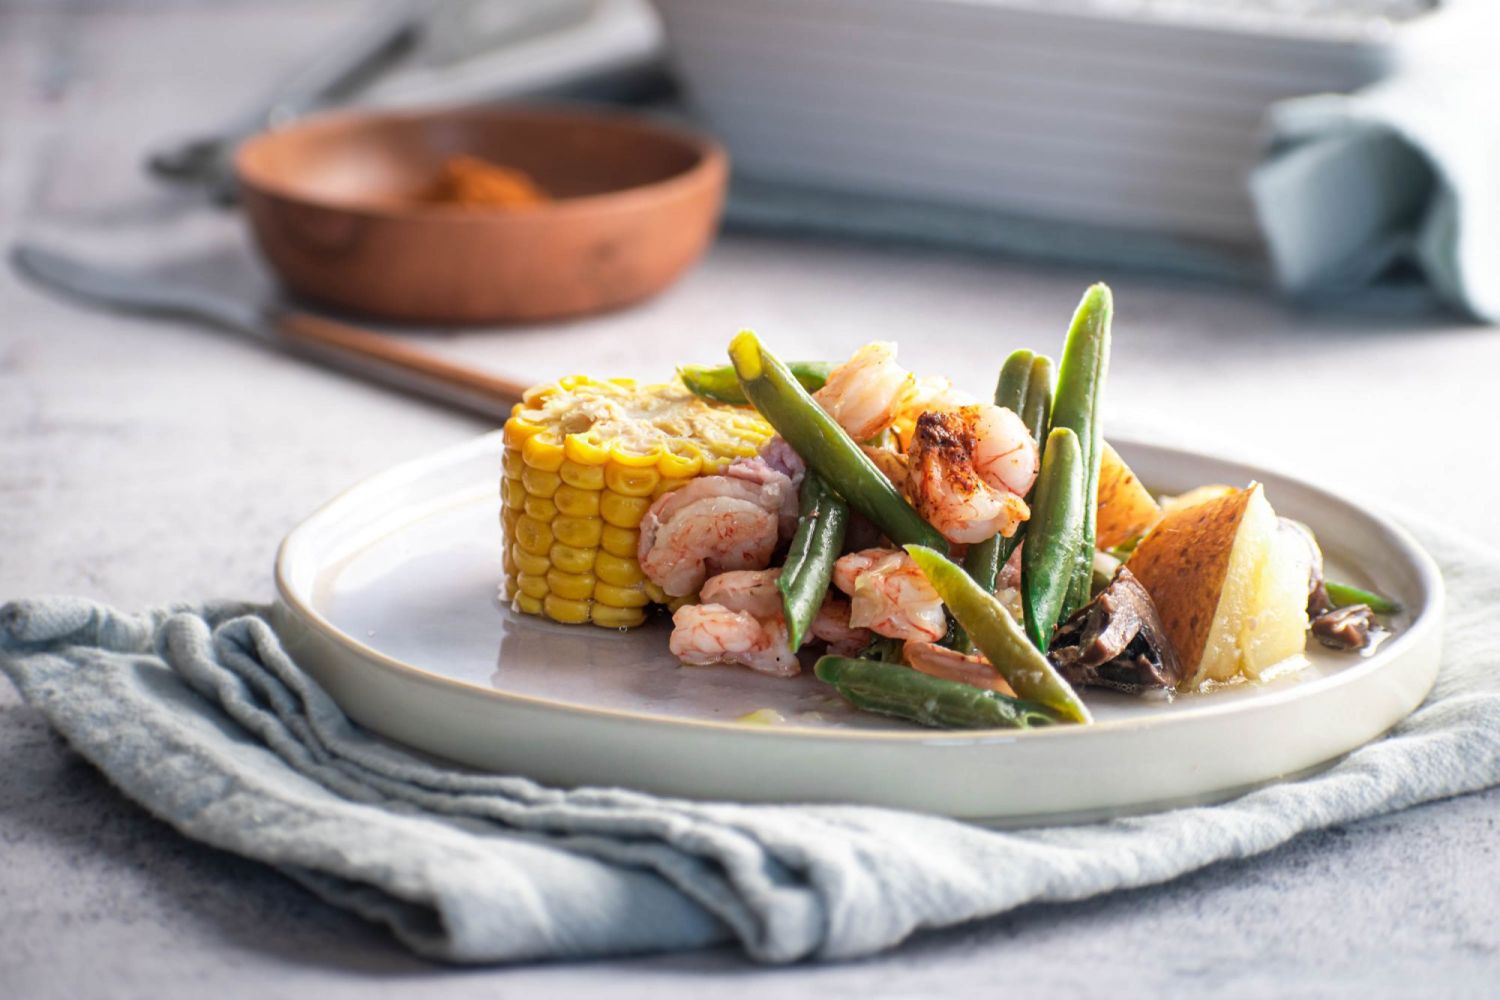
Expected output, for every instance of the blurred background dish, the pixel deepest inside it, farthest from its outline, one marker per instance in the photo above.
(1136, 116)
(385, 214)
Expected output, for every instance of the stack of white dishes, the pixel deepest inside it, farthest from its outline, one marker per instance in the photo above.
(1138, 116)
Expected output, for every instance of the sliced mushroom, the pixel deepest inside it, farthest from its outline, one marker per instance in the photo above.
(1344, 628)
(1347, 628)
(1117, 641)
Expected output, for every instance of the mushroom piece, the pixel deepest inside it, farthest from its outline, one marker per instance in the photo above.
(1337, 628)
(1344, 628)
(1117, 641)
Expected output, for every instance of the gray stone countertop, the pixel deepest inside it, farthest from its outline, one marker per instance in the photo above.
(143, 462)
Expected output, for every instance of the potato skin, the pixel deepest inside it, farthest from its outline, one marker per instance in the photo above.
(1126, 508)
(1182, 564)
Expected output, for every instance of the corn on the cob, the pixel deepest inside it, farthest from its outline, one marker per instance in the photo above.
(584, 458)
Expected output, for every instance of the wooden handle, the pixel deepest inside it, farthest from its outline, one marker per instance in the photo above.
(394, 363)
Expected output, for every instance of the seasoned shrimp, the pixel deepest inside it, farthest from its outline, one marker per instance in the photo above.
(831, 624)
(932, 394)
(951, 665)
(714, 523)
(704, 634)
(969, 469)
(777, 485)
(752, 591)
(890, 595)
(863, 393)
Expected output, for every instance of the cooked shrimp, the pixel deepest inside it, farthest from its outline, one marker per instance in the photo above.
(951, 665)
(776, 485)
(712, 524)
(752, 591)
(890, 595)
(831, 624)
(932, 394)
(969, 469)
(704, 634)
(863, 393)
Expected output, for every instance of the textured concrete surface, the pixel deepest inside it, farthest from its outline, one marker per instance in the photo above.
(142, 463)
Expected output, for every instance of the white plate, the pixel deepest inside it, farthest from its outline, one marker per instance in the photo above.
(388, 597)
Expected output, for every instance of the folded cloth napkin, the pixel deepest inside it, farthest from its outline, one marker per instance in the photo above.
(1404, 174)
(199, 715)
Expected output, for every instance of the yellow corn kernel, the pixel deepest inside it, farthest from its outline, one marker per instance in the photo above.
(532, 535)
(512, 494)
(573, 586)
(575, 501)
(584, 477)
(622, 542)
(583, 460)
(529, 562)
(683, 467)
(541, 508)
(583, 452)
(668, 485)
(532, 586)
(635, 459)
(540, 482)
(579, 532)
(570, 559)
(618, 570)
(542, 451)
(518, 429)
(568, 612)
(631, 481)
(620, 597)
(623, 512)
(608, 617)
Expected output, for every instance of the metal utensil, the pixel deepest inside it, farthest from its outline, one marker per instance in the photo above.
(373, 356)
(368, 49)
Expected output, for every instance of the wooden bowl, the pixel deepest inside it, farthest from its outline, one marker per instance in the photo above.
(340, 206)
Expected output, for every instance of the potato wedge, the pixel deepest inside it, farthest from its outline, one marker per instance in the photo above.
(1196, 495)
(1126, 508)
(1230, 586)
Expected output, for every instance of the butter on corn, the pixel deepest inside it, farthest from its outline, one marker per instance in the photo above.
(584, 458)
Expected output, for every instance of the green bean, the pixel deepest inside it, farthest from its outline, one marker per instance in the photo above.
(995, 634)
(1015, 379)
(1036, 409)
(824, 446)
(895, 690)
(1343, 594)
(809, 562)
(1054, 535)
(719, 383)
(883, 649)
(1078, 406)
(1025, 388)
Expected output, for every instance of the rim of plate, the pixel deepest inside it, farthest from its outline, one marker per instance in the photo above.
(1428, 576)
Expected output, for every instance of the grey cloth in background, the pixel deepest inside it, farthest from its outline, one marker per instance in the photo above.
(1406, 172)
(198, 714)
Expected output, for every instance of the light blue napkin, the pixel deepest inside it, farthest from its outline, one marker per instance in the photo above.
(1406, 172)
(198, 714)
